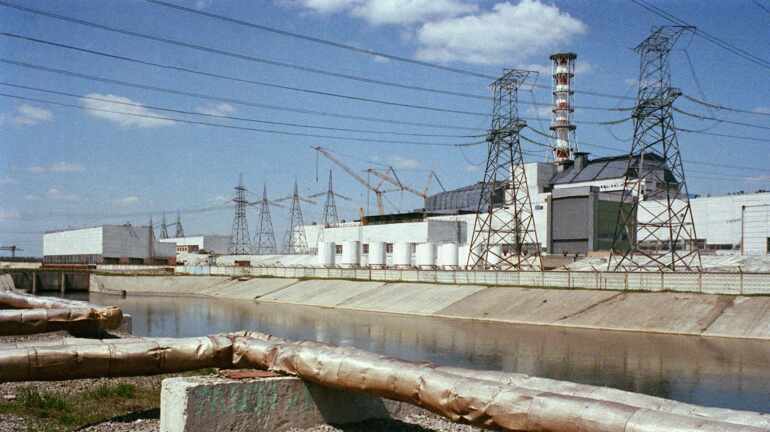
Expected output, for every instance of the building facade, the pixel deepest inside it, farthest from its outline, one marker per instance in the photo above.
(106, 244)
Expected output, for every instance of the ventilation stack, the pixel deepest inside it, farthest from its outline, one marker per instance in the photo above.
(563, 95)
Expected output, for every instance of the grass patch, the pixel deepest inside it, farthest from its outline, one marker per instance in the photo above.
(106, 391)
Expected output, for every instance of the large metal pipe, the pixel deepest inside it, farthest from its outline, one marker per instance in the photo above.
(462, 398)
(33, 314)
(114, 359)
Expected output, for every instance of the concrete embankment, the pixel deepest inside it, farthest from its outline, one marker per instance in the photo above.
(661, 312)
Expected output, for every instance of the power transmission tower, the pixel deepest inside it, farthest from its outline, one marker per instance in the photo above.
(179, 230)
(330, 206)
(655, 229)
(504, 235)
(264, 238)
(295, 241)
(240, 243)
(163, 227)
(151, 242)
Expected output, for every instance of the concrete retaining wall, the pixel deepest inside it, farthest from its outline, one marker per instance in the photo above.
(663, 312)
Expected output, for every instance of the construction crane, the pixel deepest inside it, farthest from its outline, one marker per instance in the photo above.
(378, 193)
(12, 248)
(394, 180)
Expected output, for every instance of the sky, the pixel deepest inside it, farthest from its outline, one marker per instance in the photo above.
(78, 165)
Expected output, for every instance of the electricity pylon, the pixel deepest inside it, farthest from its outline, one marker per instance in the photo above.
(163, 228)
(179, 230)
(655, 229)
(330, 206)
(504, 235)
(240, 243)
(295, 241)
(264, 238)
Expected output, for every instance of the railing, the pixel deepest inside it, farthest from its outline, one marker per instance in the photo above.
(738, 283)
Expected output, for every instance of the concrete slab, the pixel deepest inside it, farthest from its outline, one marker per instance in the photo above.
(411, 298)
(528, 305)
(658, 312)
(156, 285)
(250, 289)
(747, 317)
(322, 292)
(212, 404)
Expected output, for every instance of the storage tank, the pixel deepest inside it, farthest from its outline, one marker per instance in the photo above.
(426, 255)
(351, 253)
(463, 253)
(493, 257)
(376, 254)
(326, 253)
(402, 255)
(448, 255)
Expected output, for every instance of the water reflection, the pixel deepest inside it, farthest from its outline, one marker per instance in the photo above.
(728, 373)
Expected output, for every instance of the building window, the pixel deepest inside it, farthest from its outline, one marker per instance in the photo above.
(388, 247)
(365, 249)
(538, 207)
(338, 249)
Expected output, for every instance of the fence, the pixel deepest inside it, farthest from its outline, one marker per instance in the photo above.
(693, 282)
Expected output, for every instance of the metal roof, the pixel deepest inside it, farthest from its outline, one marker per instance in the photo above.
(605, 168)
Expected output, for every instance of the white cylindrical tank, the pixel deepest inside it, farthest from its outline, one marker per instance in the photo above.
(351, 253)
(426, 255)
(402, 254)
(448, 255)
(376, 254)
(326, 254)
(494, 255)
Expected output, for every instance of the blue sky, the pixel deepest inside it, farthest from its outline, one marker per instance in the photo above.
(64, 167)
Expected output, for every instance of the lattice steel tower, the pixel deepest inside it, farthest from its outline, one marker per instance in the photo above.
(240, 243)
(179, 230)
(163, 227)
(330, 206)
(264, 238)
(295, 241)
(655, 229)
(504, 235)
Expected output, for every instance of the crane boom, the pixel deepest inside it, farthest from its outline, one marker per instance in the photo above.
(378, 193)
(396, 182)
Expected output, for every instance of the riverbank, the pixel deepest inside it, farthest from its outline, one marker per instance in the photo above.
(732, 316)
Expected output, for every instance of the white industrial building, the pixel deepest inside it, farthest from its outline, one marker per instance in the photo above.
(216, 244)
(106, 244)
(739, 223)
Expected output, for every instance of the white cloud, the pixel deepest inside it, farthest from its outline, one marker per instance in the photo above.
(410, 11)
(28, 115)
(401, 12)
(8, 181)
(203, 4)
(404, 163)
(133, 111)
(762, 110)
(127, 201)
(31, 197)
(8, 215)
(507, 34)
(221, 109)
(472, 168)
(57, 167)
(57, 194)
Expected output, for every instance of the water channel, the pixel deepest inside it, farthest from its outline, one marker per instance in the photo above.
(729, 373)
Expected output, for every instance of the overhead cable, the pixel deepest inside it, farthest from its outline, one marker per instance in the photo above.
(725, 108)
(703, 117)
(231, 117)
(226, 99)
(268, 131)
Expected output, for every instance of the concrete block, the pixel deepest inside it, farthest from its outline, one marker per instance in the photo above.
(277, 404)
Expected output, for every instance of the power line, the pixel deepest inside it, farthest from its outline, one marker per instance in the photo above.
(710, 38)
(275, 85)
(225, 99)
(236, 55)
(279, 63)
(230, 117)
(702, 117)
(323, 41)
(269, 131)
(761, 6)
(722, 107)
(740, 137)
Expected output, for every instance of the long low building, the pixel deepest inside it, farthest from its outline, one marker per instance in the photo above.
(106, 244)
(205, 243)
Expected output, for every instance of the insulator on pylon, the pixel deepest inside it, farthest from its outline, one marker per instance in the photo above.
(564, 130)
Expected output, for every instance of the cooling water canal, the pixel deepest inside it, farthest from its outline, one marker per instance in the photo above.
(728, 373)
